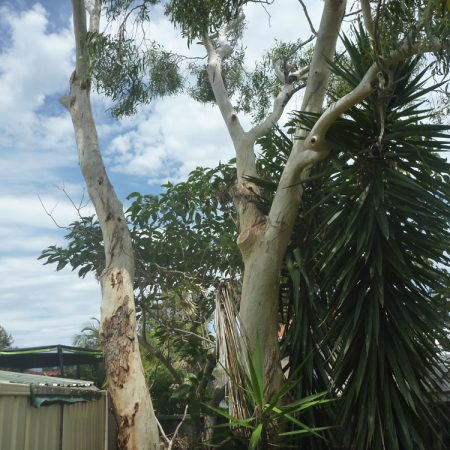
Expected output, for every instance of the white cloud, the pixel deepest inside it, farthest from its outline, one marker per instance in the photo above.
(37, 306)
(169, 139)
(36, 64)
(28, 210)
(35, 67)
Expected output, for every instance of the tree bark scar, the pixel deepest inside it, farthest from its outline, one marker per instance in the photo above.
(118, 345)
(85, 85)
(109, 216)
(100, 180)
(117, 280)
(136, 409)
(124, 434)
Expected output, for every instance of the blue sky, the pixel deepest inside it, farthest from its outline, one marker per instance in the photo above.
(166, 140)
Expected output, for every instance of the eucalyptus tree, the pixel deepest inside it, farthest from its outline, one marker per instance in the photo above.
(397, 30)
(123, 365)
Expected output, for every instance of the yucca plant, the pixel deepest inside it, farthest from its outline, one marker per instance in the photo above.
(380, 256)
(265, 426)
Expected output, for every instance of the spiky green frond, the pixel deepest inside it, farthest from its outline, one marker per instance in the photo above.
(381, 250)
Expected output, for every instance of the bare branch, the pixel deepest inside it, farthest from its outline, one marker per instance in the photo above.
(367, 16)
(157, 354)
(170, 442)
(78, 207)
(50, 213)
(279, 105)
(352, 13)
(191, 333)
(178, 428)
(305, 10)
(214, 69)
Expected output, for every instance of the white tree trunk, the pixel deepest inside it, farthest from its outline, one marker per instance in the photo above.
(127, 386)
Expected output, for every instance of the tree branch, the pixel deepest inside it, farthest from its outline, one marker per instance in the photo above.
(214, 69)
(94, 13)
(279, 105)
(305, 10)
(157, 354)
(316, 138)
(170, 442)
(367, 16)
(80, 30)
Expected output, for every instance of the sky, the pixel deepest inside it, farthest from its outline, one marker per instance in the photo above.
(39, 172)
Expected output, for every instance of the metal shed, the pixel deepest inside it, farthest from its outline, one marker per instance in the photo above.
(68, 414)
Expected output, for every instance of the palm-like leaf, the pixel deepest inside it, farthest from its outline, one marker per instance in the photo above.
(381, 252)
(365, 280)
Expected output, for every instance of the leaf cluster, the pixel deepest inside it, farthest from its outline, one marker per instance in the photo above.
(128, 75)
(199, 17)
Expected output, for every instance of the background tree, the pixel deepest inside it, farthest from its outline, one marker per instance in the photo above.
(182, 255)
(6, 339)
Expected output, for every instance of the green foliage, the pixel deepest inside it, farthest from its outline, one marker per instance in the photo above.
(232, 73)
(416, 21)
(259, 86)
(188, 229)
(199, 17)
(129, 75)
(267, 425)
(84, 251)
(6, 339)
(182, 229)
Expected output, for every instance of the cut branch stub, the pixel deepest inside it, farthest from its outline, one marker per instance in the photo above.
(318, 144)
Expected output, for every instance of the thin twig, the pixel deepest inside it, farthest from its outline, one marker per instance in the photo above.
(170, 442)
(50, 214)
(305, 10)
(194, 334)
(178, 428)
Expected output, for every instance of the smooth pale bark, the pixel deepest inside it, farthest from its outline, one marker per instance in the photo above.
(127, 386)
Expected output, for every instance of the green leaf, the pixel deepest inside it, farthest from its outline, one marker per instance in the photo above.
(255, 437)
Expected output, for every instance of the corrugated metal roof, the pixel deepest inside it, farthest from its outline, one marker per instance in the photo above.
(43, 380)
